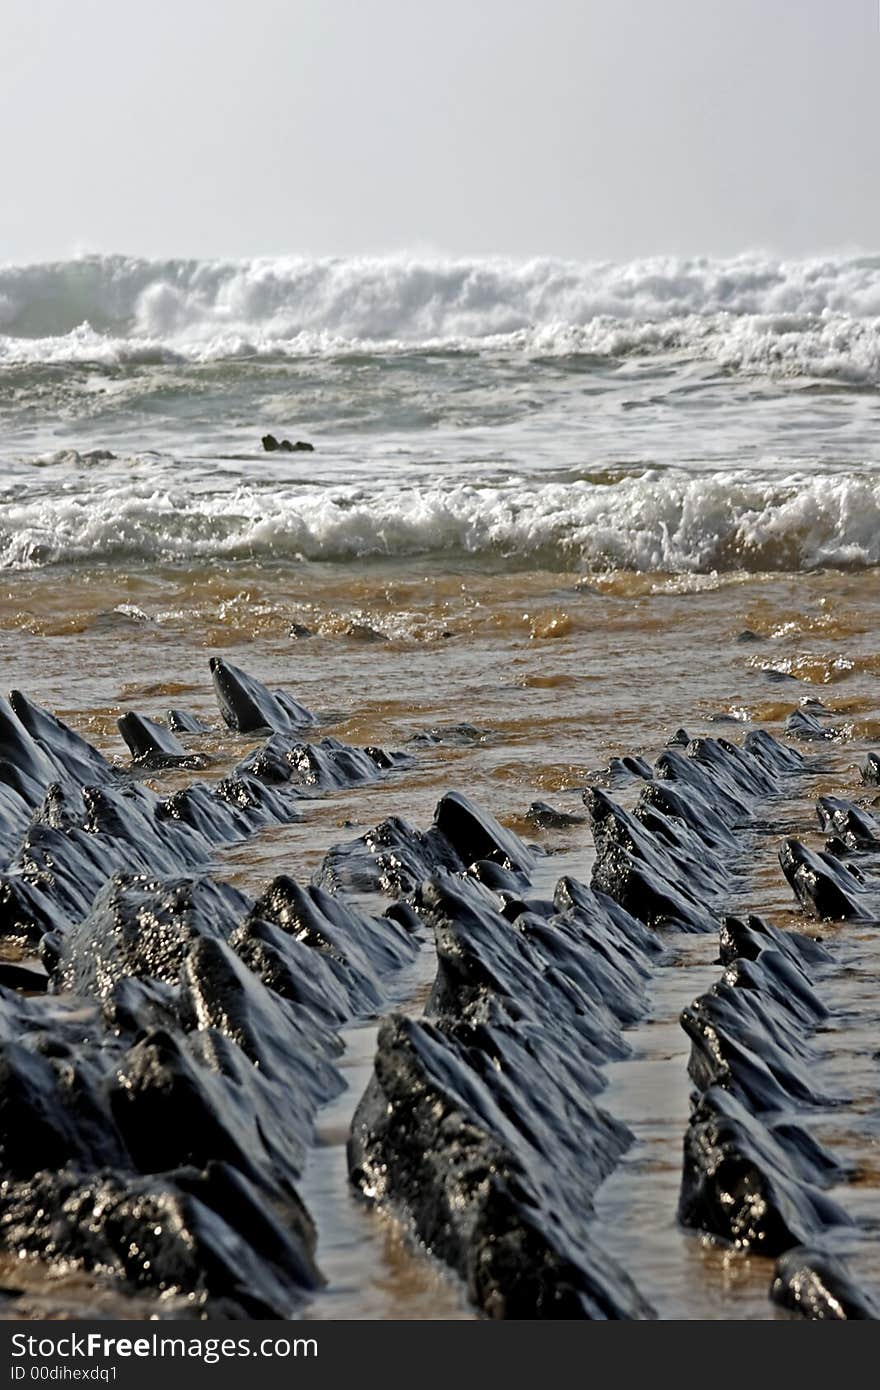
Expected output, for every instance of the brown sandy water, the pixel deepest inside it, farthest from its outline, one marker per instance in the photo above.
(556, 673)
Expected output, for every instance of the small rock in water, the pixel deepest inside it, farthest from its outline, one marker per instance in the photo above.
(804, 725)
(181, 722)
(273, 445)
(871, 770)
(549, 818)
(680, 739)
(363, 632)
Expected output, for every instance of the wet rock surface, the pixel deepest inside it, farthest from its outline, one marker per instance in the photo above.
(805, 723)
(756, 1173)
(545, 817)
(673, 859)
(817, 1285)
(324, 766)
(167, 1040)
(154, 747)
(160, 1076)
(272, 445)
(394, 857)
(248, 707)
(828, 887)
(480, 1128)
(471, 1107)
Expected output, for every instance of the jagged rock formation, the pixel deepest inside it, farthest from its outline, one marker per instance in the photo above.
(157, 1102)
(480, 1128)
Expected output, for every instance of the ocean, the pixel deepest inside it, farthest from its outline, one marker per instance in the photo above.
(553, 512)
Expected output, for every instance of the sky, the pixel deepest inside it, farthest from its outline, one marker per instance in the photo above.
(589, 129)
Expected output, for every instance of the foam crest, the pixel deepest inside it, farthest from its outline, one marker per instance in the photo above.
(657, 522)
(818, 316)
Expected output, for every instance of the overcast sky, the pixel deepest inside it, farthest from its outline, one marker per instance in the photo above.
(582, 128)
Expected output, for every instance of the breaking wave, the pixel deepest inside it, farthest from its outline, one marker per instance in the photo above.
(664, 522)
(816, 317)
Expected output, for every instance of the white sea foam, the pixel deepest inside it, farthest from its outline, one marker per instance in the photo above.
(659, 521)
(813, 317)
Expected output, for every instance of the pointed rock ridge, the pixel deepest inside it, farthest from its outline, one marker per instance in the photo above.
(871, 770)
(740, 1183)
(72, 754)
(69, 820)
(394, 858)
(818, 1285)
(754, 1176)
(152, 746)
(474, 834)
(826, 887)
(181, 722)
(804, 725)
(248, 707)
(672, 861)
(479, 1128)
(327, 765)
(852, 824)
(746, 939)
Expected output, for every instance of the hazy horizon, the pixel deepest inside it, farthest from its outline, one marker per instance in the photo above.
(584, 131)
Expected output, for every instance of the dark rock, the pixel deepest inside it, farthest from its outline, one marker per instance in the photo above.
(429, 1139)
(272, 445)
(179, 722)
(855, 826)
(157, 1101)
(363, 632)
(326, 765)
(153, 747)
(739, 1183)
(208, 1238)
(747, 939)
(248, 707)
(658, 871)
(478, 1128)
(804, 725)
(817, 1285)
(473, 834)
(549, 818)
(23, 977)
(742, 1040)
(825, 887)
(871, 770)
(394, 858)
(815, 707)
(142, 928)
(367, 946)
(620, 772)
(753, 1172)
